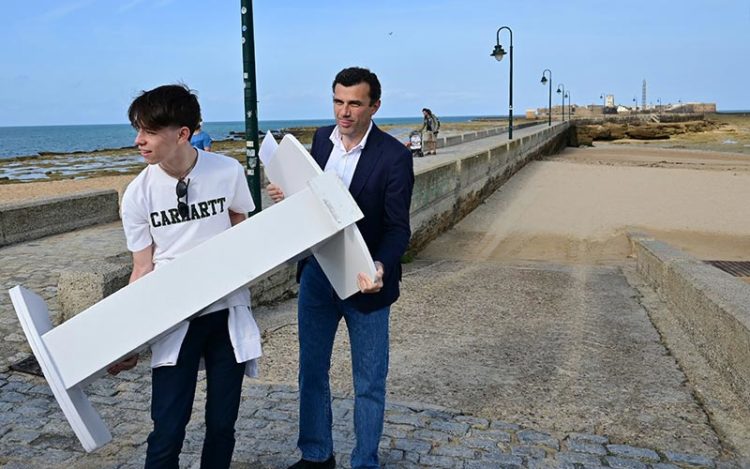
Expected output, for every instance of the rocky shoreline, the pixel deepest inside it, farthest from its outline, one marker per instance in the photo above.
(55, 166)
(714, 132)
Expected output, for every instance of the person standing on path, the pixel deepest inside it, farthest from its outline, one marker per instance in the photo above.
(431, 125)
(200, 139)
(378, 170)
(182, 198)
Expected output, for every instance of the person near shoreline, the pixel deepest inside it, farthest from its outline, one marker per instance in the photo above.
(379, 173)
(431, 125)
(200, 139)
(182, 198)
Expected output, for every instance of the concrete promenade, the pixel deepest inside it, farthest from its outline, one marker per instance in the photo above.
(493, 364)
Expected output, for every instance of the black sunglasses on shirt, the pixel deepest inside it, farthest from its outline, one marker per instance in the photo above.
(182, 191)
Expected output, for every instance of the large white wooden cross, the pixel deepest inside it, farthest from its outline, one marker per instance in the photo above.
(318, 215)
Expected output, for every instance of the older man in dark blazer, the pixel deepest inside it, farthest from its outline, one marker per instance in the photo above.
(379, 172)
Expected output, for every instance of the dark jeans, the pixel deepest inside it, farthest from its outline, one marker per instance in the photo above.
(319, 313)
(173, 391)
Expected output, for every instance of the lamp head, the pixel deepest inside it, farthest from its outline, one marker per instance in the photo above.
(544, 80)
(498, 53)
(559, 90)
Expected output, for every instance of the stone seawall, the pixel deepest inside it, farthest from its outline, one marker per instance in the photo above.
(711, 306)
(26, 221)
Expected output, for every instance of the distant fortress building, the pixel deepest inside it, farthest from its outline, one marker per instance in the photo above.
(609, 107)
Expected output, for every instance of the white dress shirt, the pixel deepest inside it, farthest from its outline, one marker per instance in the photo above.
(343, 162)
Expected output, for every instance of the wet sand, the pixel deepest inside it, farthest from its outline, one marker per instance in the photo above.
(579, 205)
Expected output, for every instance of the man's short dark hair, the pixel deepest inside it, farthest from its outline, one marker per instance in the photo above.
(354, 76)
(165, 106)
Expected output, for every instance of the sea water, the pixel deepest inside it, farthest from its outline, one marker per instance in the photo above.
(30, 141)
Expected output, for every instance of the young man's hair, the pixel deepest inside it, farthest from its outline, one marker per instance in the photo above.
(354, 76)
(165, 106)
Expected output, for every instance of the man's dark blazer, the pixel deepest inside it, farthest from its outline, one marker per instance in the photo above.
(382, 186)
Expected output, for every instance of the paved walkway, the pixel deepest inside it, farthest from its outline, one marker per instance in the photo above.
(34, 433)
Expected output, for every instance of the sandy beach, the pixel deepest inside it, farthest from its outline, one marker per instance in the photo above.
(578, 206)
(29, 191)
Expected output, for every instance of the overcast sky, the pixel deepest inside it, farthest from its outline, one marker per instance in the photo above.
(82, 61)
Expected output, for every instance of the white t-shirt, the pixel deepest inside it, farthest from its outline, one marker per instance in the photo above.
(149, 213)
(216, 185)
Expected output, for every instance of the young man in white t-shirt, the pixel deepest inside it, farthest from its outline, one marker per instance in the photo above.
(182, 198)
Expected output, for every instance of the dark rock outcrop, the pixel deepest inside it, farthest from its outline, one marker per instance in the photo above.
(586, 134)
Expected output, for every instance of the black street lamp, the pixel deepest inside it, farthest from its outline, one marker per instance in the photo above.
(544, 82)
(658, 100)
(561, 91)
(570, 112)
(498, 53)
(635, 104)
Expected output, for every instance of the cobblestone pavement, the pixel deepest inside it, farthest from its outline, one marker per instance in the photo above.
(34, 433)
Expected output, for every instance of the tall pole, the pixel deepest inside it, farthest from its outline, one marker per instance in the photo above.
(561, 90)
(510, 103)
(498, 53)
(549, 107)
(251, 103)
(570, 112)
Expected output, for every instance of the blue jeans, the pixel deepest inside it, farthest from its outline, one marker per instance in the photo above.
(173, 391)
(319, 313)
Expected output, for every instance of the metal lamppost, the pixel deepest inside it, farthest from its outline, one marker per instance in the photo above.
(561, 91)
(658, 100)
(570, 112)
(251, 103)
(544, 82)
(635, 104)
(499, 53)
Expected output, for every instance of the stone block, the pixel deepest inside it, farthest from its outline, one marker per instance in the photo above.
(531, 437)
(77, 290)
(627, 451)
(691, 459)
(25, 221)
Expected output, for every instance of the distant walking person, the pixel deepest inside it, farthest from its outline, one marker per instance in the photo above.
(379, 172)
(182, 198)
(431, 125)
(200, 139)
